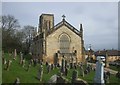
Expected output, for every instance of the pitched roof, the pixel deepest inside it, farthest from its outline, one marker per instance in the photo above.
(109, 52)
(64, 22)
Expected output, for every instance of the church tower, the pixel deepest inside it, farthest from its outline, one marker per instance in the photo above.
(46, 23)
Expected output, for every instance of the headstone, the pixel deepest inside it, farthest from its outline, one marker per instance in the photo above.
(86, 71)
(48, 68)
(118, 74)
(31, 61)
(40, 73)
(17, 81)
(53, 79)
(74, 76)
(28, 67)
(8, 65)
(15, 54)
(99, 74)
(23, 63)
(81, 71)
(75, 65)
(21, 57)
(65, 63)
(63, 66)
(4, 62)
(52, 66)
(106, 76)
(46, 64)
(71, 65)
(66, 71)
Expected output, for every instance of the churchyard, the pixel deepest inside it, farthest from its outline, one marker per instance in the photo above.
(29, 73)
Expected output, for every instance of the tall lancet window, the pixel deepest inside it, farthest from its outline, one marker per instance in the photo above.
(64, 41)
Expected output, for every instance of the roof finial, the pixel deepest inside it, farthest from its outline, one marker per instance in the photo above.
(63, 16)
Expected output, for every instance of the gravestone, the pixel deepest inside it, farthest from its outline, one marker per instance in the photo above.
(48, 68)
(65, 63)
(99, 74)
(71, 65)
(40, 73)
(74, 76)
(8, 65)
(52, 66)
(23, 63)
(53, 79)
(63, 66)
(21, 57)
(86, 71)
(81, 71)
(15, 54)
(56, 58)
(66, 71)
(28, 67)
(17, 81)
(31, 61)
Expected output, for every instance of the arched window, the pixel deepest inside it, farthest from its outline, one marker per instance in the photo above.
(64, 43)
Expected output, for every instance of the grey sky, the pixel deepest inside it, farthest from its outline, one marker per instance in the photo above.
(99, 19)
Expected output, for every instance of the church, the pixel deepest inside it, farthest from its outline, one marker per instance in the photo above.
(54, 42)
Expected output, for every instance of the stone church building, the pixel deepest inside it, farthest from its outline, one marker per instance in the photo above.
(54, 42)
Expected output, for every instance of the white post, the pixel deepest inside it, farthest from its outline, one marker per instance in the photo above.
(99, 74)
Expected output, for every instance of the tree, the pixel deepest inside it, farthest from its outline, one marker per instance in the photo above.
(9, 27)
(28, 32)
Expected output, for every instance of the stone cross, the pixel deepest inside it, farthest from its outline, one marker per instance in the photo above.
(63, 16)
(99, 75)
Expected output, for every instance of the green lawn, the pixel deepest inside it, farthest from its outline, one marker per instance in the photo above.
(115, 68)
(16, 70)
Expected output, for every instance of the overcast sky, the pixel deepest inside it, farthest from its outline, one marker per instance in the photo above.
(99, 19)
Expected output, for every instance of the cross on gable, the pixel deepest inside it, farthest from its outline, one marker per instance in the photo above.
(63, 16)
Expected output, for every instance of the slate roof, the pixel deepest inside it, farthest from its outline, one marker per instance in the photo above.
(109, 52)
(64, 22)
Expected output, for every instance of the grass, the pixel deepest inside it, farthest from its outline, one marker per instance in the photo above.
(16, 70)
(115, 68)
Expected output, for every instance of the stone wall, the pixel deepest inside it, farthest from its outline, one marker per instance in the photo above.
(53, 43)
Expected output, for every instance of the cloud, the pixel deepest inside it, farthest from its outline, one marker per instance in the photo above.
(100, 20)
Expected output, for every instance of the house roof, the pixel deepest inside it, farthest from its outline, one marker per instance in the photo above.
(64, 22)
(109, 52)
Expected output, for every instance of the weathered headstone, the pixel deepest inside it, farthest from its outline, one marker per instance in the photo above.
(31, 61)
(99, 75)
(53, 79)
(65, 63)
(15, 54)
(48, 68)
(21, 57)
(17, 81)
(81, 71)
(40, 73)
(71, 65)
(28, 67)
(66, 71)
(8, 65)
(63, 66)
(23, 63)
(52, 66)
(74, 76)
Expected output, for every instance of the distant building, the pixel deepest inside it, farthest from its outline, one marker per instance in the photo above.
(52, 42)
(112, 54)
